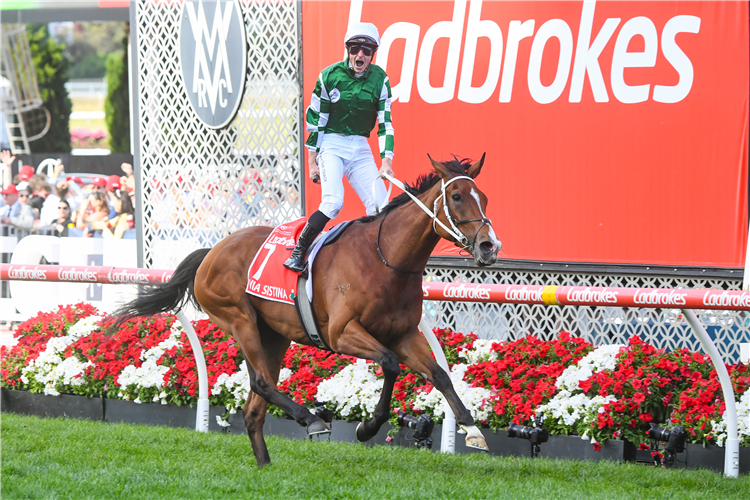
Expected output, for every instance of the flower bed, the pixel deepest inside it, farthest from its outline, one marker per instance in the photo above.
(597, 393)
(82, 137)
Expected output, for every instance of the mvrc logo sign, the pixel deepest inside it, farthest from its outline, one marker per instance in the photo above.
(213, 58)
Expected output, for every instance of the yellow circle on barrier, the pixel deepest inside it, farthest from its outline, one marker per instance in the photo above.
(548, 295)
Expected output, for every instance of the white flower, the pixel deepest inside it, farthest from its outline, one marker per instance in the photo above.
(222, 422)
(570, 406)
(354, 387)
(472, 397)
(284, 374)
(601, 358)
(569, 409)
(481, 352)
(150, 374)
(743, 421)
(84, 327)
(237, 384)
(52, 368)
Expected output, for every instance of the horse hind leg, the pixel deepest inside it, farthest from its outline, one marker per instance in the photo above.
(265, 387)
(264, 350)
(263, 372)
(254, 411)
(255, 416)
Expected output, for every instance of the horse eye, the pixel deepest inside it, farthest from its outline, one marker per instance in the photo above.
(456, 197)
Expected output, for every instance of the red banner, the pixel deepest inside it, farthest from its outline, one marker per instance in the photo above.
(615, 132)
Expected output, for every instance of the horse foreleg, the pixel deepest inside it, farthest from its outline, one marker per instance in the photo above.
(355, 341)
(413, 351)
(366, 430)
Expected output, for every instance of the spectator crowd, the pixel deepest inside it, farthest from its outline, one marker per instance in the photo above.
(64, 205)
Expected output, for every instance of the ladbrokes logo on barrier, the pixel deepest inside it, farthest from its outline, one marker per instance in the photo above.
(136, 278)
(213, 57)
(73, 274)
(466, 292)
(658, 297)
(21, 273)
(726, 299)
(588, 295)
(516, 293)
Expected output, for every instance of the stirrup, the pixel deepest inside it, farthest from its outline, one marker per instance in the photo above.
(296, 264)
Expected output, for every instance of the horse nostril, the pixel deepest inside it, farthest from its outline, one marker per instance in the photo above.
(486, 247)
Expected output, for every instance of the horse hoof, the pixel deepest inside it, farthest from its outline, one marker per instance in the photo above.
(362, 436)
(476, 442)
(318, 427)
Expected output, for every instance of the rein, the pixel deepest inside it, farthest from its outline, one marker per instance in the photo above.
(377, 245)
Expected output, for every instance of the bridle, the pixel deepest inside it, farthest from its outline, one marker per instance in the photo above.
(462, 239)
(459, 238)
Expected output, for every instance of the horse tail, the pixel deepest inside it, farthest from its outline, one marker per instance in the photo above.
(169, 296)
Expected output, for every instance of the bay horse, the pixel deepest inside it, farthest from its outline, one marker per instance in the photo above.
(379, 260)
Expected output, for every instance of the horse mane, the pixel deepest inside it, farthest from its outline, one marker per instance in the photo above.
(423, 183)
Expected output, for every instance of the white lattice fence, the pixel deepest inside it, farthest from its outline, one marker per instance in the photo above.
(199, 184)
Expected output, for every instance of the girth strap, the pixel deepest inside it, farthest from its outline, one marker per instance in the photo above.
(306, 315)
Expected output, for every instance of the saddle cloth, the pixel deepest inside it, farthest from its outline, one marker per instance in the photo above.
(267, 277)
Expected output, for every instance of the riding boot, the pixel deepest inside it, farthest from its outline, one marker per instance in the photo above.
(296, 261)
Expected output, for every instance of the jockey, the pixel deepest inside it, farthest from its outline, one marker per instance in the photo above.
(349, 98)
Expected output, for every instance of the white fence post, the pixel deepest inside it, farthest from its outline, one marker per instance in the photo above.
(201, 416)
(732, 443)
(448, 438)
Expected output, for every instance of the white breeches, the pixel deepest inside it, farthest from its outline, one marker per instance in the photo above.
(351, 156)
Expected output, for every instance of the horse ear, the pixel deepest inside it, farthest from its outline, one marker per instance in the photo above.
(474, 170)
(439, 168)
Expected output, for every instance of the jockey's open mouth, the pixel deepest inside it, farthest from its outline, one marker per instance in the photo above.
(360, 62)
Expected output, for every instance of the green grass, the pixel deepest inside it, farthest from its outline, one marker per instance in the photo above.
(54, 458)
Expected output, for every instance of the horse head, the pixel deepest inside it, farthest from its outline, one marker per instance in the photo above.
(460, 207)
